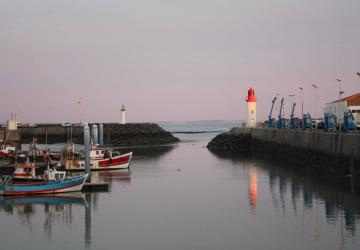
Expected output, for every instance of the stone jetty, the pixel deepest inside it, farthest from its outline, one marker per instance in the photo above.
(130, 134)
(333, 151)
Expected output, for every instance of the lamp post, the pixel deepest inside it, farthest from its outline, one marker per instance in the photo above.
(80, 109)
(316, 86)
(291, 100)
(302, 107)
(277, 96)
(339, 102)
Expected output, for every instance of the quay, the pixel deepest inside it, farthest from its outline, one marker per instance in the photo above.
(129, 134)
(331, 151)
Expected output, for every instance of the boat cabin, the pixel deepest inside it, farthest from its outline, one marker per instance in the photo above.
(100, 153)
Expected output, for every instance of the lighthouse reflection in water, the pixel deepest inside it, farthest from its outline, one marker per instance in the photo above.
(252, 188)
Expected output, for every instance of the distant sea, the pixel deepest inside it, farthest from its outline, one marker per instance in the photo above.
(199, 130)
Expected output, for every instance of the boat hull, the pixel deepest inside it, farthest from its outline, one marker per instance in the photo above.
(117, 162)
(70, 184)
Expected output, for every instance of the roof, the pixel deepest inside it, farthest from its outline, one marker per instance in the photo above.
(353, 100)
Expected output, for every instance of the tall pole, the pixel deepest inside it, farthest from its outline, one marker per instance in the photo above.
(315, 87)
(81, 110)
(339, 102)
(302, 107)
(87, 148)
(291, 101)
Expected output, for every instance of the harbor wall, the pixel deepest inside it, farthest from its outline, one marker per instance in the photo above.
(131, 134)
(335, 152)
(335, 144)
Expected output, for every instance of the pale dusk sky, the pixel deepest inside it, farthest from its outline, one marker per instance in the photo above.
(174, 60)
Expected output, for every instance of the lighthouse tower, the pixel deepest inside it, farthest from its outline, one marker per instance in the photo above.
(123, 110)
(251, 101)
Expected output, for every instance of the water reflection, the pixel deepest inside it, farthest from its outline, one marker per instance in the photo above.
(297, 191)
(252, 188)
(122, 176)
(149, 153)
(55, 208)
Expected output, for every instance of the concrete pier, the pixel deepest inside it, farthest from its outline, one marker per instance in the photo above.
(335, 152)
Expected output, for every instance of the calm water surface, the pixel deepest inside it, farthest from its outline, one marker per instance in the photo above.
(184, 197)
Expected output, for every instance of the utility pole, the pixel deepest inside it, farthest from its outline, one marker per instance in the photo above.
(81, 110)
(339, 102)
(302, 107)
(316, 86)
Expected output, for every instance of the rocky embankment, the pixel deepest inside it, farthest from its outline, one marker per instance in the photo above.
(231, 142)
(136, 134)
(131, 134)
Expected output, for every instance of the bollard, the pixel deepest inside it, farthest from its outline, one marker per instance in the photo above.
(95, 134)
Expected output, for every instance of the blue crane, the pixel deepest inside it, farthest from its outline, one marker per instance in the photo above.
(329, 121)
(307, 121)
(293, 123)
(349, 123)
(281, 121)
(271, 123)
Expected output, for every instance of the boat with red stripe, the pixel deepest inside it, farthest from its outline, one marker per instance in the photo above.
(6, 150)
(100, 159)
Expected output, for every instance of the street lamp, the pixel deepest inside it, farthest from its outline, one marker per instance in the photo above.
(302, 107)
(340, 92)
(316, 86)
(80, 109)
(291, 100)
(277, 96)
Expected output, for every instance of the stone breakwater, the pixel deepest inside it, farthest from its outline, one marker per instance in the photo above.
(131, 134)
(336, 152)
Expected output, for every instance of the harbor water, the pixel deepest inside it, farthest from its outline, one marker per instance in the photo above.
(184, 197)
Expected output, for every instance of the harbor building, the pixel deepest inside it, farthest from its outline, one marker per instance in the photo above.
(350, 103)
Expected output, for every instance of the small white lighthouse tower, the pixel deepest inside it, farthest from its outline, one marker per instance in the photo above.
(123, 110)
(251, 101)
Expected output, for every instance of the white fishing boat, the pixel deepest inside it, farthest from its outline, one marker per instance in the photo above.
(6, 150)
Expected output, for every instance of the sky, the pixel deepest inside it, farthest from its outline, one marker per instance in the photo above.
(173, 60)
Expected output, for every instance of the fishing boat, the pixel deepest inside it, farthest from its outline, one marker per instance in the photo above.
(6, 150)
(110, 163)
(28, 172)
(100, 159)
(55, 182)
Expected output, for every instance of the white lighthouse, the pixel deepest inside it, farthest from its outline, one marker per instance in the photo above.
(123, 110)
(251, 101)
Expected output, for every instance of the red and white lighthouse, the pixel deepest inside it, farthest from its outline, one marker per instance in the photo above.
(251, 101)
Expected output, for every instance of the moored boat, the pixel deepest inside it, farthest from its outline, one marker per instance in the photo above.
(111, 163)
(55, 182)
(6, 150)
(100, 159)
(28, 172)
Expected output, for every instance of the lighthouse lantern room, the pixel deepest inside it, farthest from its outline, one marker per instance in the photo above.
(251, 101)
